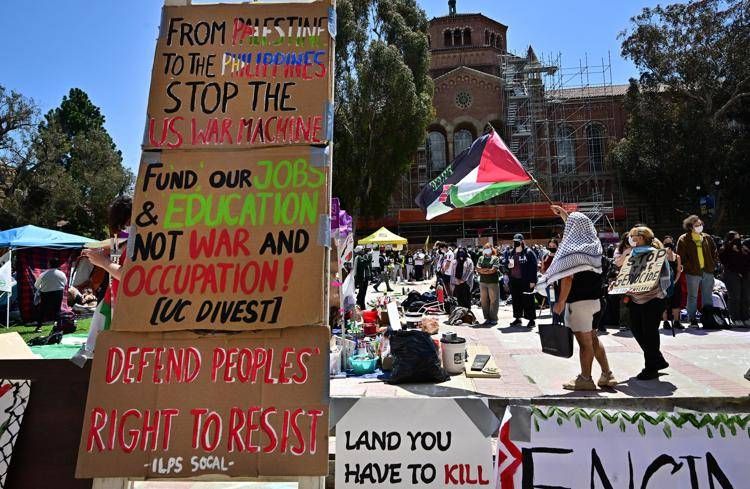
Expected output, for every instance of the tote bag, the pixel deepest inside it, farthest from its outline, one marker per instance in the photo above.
(556, 338)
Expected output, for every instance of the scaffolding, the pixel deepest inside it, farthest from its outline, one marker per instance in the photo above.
(559, 122)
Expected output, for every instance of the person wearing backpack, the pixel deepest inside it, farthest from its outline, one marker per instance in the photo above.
(362, 274)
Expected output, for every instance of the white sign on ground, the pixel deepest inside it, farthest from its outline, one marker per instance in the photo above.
(406, 443)
(576, 448)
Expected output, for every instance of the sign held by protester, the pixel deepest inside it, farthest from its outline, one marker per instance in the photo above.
(639, 273)
(184, 405)
(576, 447)
(404, 443)
(14, 397)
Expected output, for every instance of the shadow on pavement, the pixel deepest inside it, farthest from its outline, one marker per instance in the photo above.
(646, 388)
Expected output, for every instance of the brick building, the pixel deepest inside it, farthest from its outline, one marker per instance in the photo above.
(558, 122)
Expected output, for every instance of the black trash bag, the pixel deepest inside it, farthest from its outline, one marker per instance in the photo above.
(415, 358)
(52, 339)
(415, 306)
(413, 296)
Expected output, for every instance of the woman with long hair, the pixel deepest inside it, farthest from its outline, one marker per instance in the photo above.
(462, 276)
(488, 266)
(646, 307)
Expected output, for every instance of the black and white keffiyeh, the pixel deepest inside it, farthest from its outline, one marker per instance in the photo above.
(579, 251)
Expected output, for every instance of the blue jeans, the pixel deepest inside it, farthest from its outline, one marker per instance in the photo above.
(706, 284)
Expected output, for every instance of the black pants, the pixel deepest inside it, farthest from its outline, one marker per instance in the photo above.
(49, 306)
(382, 276)
(446, 279)
(418, 272)
(462, 293)
(361, 293)
(644, 323)
(523, 304)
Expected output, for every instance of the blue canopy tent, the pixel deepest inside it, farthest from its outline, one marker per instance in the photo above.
(33, 247)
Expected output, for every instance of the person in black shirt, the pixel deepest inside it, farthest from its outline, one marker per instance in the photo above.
(578, 267)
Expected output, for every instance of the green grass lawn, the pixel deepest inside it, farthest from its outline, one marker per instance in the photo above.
(27, 330)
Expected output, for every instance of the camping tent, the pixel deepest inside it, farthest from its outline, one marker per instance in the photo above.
(383, 237)
(33, 247)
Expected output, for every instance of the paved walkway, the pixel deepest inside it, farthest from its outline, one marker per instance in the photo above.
(702, 364)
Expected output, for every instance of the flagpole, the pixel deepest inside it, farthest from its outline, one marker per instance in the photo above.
(492, 128)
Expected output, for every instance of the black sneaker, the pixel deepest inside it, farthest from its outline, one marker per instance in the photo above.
(666, 325)
(517, 322)
(624, 328)
(647, 375)
(677, 324)
(694, 323)
(531, 324)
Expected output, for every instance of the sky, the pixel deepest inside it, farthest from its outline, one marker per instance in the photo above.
(105, 47)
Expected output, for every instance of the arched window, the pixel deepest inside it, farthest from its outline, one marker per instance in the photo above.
(566, 156)
(467, 37)
(595, 139)
(486, 37)
(436, 157)
(462, 139)
(457, 37)
(447, 38)
(492, 39)
(497, 41)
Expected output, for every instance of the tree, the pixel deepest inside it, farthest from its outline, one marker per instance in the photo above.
(383, 99)
(689, 112)
(68, 172)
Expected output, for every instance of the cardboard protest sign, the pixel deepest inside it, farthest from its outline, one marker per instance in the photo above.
(226, 240)
(14, 397)
(183, 405)
(575, 447)
(639, 273)
(242, 75)
(400, 443)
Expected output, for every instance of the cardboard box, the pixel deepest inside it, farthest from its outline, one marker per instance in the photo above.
(185, 405)
(226, 240)
(241, 75)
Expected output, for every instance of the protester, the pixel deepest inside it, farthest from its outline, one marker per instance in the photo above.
(382, 274)
(419, 266)
(674, 297)
(488, 267)
(522, 263)
(409, 266)
(577, 265)
(50, 284)
(646, 307)
(735, 257)
(362, 274)
(118, 222)
(699, 258)
(462, 275)
(446, 268)
(428, 262)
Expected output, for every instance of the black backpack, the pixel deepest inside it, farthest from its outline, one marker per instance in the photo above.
(713, 318)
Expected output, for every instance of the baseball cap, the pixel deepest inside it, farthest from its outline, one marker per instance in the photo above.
(518, 237)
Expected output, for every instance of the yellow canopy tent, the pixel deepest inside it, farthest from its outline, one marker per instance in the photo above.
(383, 237)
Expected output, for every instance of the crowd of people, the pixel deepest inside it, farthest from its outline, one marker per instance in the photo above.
(572, 275)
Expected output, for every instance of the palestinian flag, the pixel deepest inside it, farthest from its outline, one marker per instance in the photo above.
(486, 169)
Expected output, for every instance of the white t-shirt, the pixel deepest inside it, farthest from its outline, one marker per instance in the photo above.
(419, 259)
(51, 280)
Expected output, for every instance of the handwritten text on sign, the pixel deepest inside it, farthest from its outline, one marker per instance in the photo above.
(570, 448)
(399, 443)
(639, 273)
(178, 404)
(224, 241)
(240, 75)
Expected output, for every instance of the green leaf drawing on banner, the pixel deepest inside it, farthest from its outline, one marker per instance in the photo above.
(667, 431)
(709, 432)
(536, 425)
(722, 431)
(722, 421)
(641, 428)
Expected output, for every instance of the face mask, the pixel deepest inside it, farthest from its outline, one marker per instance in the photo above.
(669, 245)
(698, 229)
(487, 252)
(552, 250)
(632, 242)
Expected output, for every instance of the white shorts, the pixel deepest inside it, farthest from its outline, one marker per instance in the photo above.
(579, 316)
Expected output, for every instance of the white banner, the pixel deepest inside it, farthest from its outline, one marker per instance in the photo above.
(406, 443)
(6, 277)
(577, 448)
